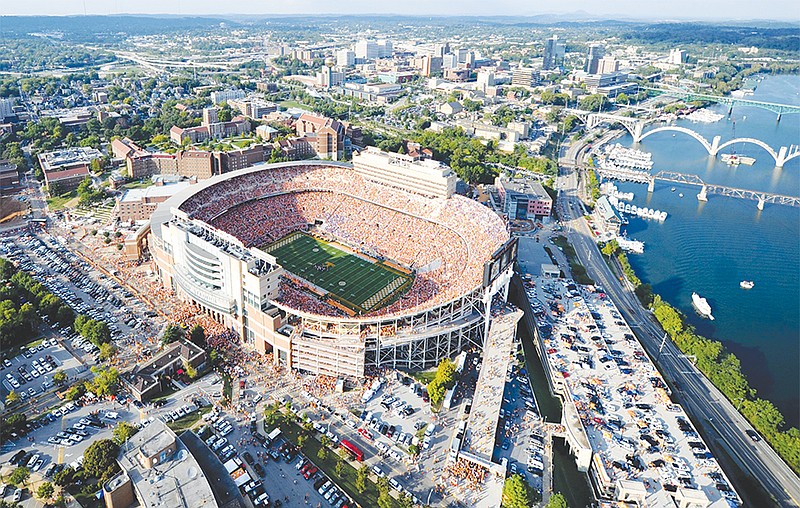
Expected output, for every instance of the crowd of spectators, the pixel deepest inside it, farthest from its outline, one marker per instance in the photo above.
(445, 241)
(466, 473)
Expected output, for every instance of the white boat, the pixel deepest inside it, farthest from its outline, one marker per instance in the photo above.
(629, 245)
(747, 284)
(732, 159)
(662, 216)
(702, 306)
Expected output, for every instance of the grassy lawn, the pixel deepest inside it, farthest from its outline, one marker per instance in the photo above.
(141, 184)
(188, 421)
(347, 481)
(64, 201)
(578, 270)
(424, 377)
(292, 104)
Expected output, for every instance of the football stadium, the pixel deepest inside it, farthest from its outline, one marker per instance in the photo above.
(338, 268)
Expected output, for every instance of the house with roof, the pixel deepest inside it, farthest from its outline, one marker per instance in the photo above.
(147, 380)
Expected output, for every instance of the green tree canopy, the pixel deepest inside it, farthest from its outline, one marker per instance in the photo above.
(19, 476)
(100, 459)
(45, 491)
(198, 336)
(172, 333)
(124, 431)
(557, 500)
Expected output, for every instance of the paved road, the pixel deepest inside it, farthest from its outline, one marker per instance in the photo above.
(709, 408)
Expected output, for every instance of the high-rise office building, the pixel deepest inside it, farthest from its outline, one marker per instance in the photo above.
(449, 61)
(678, 56)
(485, 79)
(524, 76)
(345, 58)
(367, 50)
(553, 53)
(607, 65)
(596, 52)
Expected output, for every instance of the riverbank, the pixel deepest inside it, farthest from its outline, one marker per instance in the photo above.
(722, 368)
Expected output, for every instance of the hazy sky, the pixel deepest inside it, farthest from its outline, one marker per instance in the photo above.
(788, 10)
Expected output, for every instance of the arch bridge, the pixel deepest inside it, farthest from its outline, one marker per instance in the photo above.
(781, 157)
(635, 126)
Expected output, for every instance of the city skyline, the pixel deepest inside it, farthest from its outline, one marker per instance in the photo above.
(619, 9)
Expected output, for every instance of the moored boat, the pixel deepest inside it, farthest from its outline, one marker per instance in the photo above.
(702, 306)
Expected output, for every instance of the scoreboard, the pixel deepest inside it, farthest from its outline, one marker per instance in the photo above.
(501, 259)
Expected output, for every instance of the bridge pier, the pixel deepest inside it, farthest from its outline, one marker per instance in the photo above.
(702, 196)
(781, 157)
(715, 145)
(760, 204)
(651, 184)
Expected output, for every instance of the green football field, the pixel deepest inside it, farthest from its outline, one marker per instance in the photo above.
(354, 282)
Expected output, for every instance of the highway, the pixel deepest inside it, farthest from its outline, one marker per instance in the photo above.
(701, 399)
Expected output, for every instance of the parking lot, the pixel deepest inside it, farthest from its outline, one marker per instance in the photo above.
(60, 440)
(522, 438)
(31, 373)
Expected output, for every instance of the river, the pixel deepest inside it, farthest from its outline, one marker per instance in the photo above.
(710, 247)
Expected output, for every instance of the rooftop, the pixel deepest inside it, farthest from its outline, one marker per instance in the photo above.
(153, 191)
(51, 161)
(176, 482)
(523, 186)
(498, 352)
(638, 435)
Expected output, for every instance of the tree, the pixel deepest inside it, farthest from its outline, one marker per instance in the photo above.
(100, 459)
(107, 351)
(406, 501)
(610, 248)
(361, 478)
(12, 398)
(76, 391)
(19, 476)
(339, 467)
(64, 477)
(322, 454)
(301, 440)
(384, 499)
(190, 371)
(198, 336)
(557, 501)
(436, 392)
(105, 381)
(446, 373)
(172, 333)
(515, 493)
(45, 491)
(124, 431)
(326, 441)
